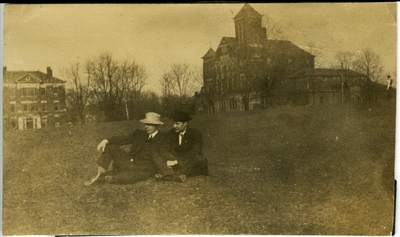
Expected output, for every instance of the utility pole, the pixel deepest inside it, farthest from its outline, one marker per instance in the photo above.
(126, 110)
(342, 82)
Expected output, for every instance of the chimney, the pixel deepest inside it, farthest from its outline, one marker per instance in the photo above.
(49, 72)
(4, 69)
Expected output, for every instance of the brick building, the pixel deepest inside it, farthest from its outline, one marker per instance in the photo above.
(32, 99)
(245, 72)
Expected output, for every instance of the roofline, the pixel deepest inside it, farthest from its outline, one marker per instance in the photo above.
(30, 73)
(305, 73)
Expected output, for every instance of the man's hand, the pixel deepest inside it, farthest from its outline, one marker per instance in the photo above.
(171, 163)
(102, 145)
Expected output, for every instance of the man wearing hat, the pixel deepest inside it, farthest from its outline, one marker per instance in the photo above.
(145, 159)
(187, 144)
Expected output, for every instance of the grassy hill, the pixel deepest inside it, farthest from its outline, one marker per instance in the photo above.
(289, 170)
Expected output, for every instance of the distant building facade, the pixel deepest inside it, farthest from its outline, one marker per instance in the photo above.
(327, 86)
(243, 72)
(32, 99)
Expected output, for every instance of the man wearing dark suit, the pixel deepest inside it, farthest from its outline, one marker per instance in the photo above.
(187, 147)
(145, 159)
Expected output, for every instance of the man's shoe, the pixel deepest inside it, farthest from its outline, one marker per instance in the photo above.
(159, 177)
(95, 179)
(109, 178)
(179, 178)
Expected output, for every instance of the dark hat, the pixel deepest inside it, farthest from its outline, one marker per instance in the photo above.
(181, 116)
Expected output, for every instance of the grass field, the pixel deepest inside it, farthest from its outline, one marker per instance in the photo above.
(288, 170)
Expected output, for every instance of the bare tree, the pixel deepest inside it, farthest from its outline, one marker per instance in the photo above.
(105, 85)
(197, 78)
(168, 86)
(181, 75)
(344, 59)
(132, 79)
(369, 63)
(79, 92)
(274, 29)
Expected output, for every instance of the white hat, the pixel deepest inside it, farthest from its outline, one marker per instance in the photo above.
(152, 118)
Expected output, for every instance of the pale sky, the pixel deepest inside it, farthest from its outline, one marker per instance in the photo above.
(157, 35)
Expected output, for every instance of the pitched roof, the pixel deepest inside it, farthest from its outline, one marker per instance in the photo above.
(37, 76)
(284, 47)
(326, 72)
(231, 41)
(210, 53)
(247, 11)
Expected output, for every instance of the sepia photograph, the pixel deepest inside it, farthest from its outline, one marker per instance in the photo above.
(199, 119)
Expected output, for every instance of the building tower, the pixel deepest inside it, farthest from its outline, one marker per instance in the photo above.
(248, 26)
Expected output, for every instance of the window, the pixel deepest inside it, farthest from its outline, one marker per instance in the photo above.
(44, 121)
(224, 49)
(44, 105)
(57, 120)
(242, 78)
(55, 90)
(12, 107)
(14, 123)
(12, 91)
(56, 105)
(209, 84)
(42, 91)
(232, 104)
(31, 106)
(28, 91)
(222, 105)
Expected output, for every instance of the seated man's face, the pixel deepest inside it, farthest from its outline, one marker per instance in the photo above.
(180, 126)
(150, 128)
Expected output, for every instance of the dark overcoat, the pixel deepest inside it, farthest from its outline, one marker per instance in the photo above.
(191, 148)
(140, 145)
(144, 159)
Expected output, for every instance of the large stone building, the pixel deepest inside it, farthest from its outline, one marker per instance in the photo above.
(246, 71)
(32, 99)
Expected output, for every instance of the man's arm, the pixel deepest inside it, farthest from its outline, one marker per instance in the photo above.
(165, 147)
(118, 140)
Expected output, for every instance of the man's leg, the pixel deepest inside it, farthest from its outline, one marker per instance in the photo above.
(161, 165)
(193, 168)
(113, 154)
(141, 170)
(113, 157)
(163, 172)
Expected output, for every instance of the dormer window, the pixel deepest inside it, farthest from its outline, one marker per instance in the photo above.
(224, 49)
